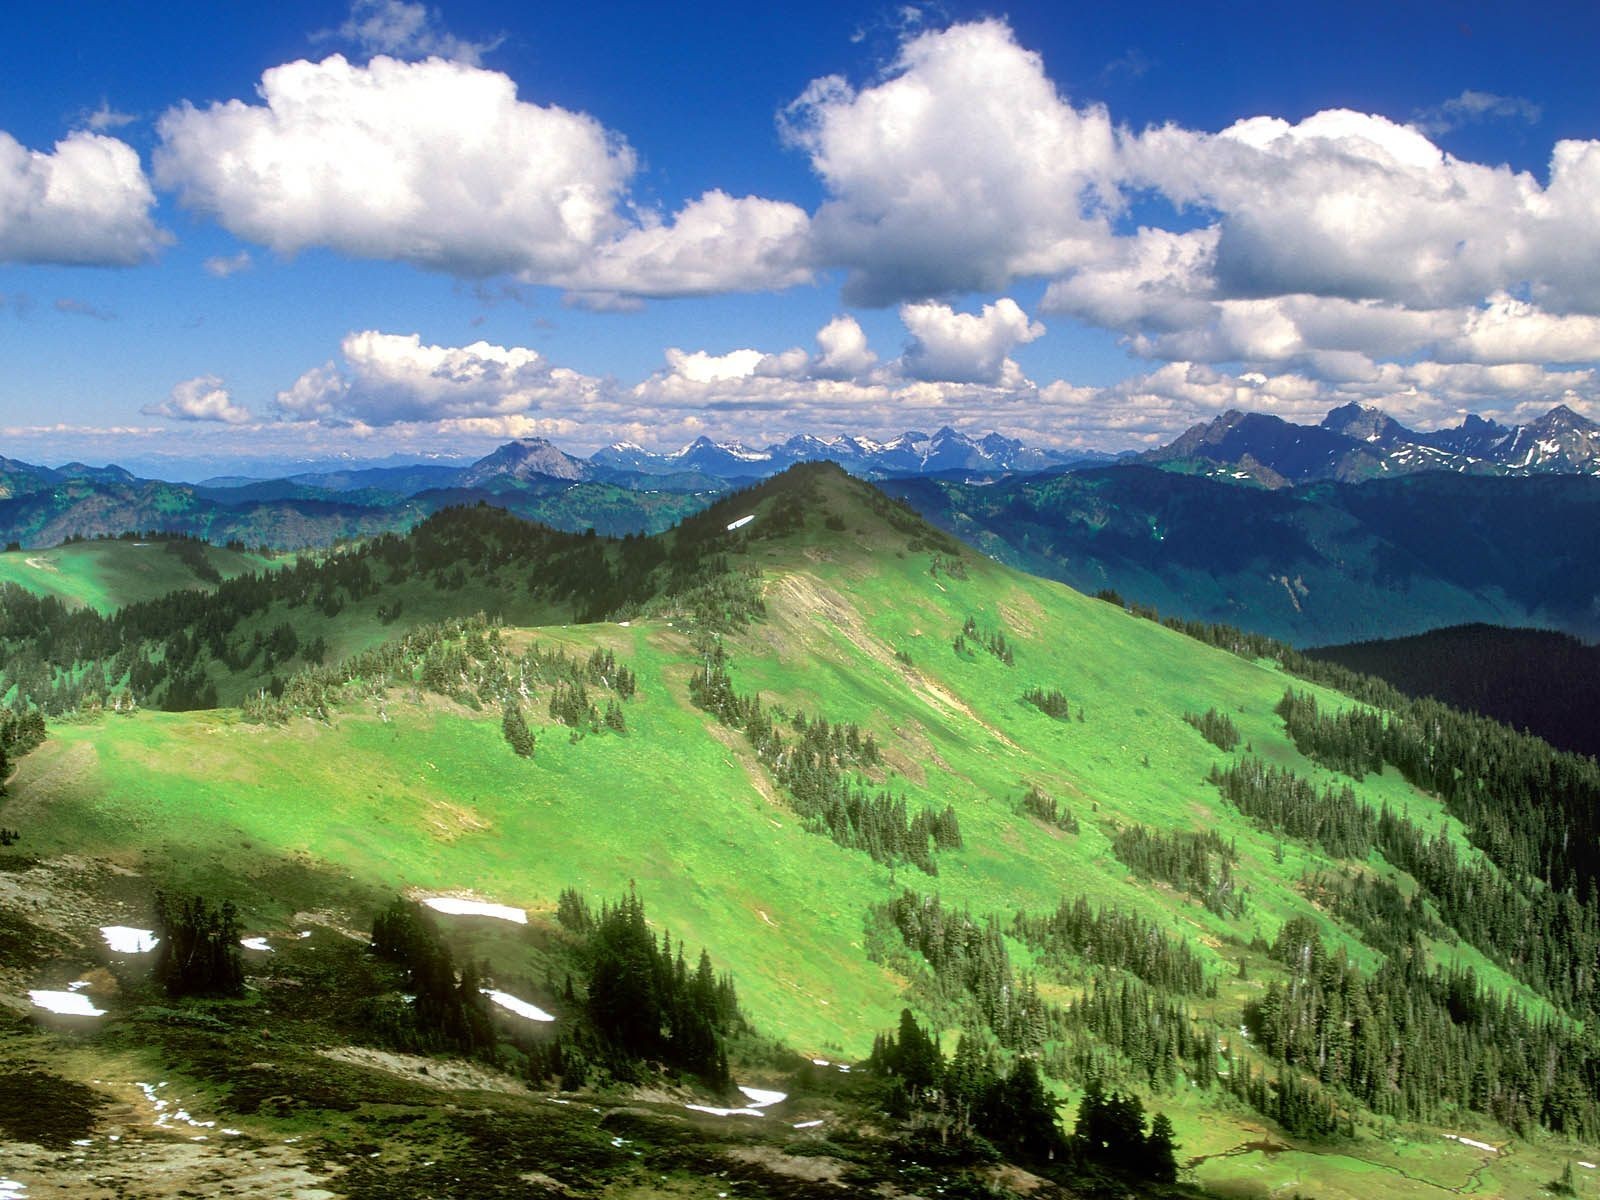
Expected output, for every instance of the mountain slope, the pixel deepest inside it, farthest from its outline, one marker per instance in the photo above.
(1533, 679)
(1324, 563)
(868, 618)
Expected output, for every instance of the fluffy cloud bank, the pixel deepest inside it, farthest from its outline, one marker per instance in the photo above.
(440, 164)
(86, 203)
(388, 379)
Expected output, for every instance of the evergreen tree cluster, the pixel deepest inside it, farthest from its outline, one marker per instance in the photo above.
(166, 651)
(1547, 938)
(514, 727)
(1282, 802)
(812, 761)
(1122, 1029)
(197, 951)
(645, 1001)
(1387, 919)
(1052, 703)
(1110, 937)
(1415, 1044)
(1198, 863)
(994, 642)
(1216, 727)
(1110, 1133)
(1533, 809)
(968, 1094)
(448, 1011)
(968, 961)
(1048, 809)
(1349, 741)
(20, 732)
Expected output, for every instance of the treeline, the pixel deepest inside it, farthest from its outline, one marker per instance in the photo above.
(1198, 863)
(1533, 809)
(1414, 1044)
(813, 761)
(1546, 938)
(466, 659)
(169, 651)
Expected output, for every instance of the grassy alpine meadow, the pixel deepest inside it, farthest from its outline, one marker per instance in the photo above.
(405, 790)
(107, 574)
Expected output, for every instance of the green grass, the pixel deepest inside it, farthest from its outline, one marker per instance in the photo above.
(106, 575)
(426, 795)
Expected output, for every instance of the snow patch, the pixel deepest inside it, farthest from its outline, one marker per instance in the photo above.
(124, 939)
(512, 1004)
(807, 1124)
(12, 1189)
(741, 522)
(1475, 1144)
(454, 906)
(762, 1099)
(255, 943)
(68, 1004)
(725, 1112)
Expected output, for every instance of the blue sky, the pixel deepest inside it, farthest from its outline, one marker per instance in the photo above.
(1082, 226)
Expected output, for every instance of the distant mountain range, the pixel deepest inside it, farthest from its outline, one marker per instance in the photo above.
(621, 489)
(1357, 442)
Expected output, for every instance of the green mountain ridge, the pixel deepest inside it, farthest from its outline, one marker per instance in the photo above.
(801, 690)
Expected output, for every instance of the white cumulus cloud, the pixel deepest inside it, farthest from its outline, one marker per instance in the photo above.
(436, 163)
(389, 378)
(85, 203)
(959, 171)
(957, 347)
(203, 398)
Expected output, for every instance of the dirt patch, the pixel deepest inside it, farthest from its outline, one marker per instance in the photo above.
(450, 821)
(790, 1166)
(441, 1074)
(328, 920)
(746, 758)
(161, 1167)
